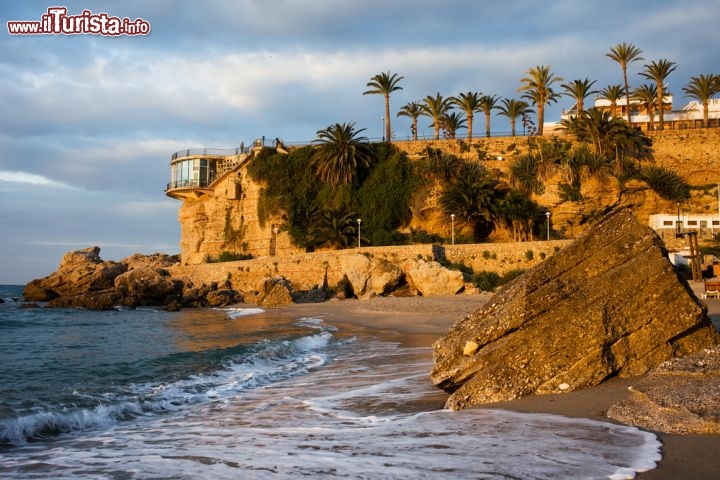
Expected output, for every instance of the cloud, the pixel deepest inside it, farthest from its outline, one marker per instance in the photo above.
(30, 178)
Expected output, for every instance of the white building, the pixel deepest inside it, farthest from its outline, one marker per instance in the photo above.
(689, 116)
(668, 224)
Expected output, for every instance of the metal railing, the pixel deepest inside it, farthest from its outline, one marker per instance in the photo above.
(210, 152)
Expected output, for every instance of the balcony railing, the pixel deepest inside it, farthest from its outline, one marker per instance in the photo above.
(210, 152)
(189, 183)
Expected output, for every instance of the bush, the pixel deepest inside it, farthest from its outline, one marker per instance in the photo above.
(486, 281)
(511, 275)
(529, 255)
(227, 257)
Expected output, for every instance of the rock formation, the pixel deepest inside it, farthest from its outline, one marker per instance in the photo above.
(608, 304)
(80, 271)
(84, 280)
(431, 278)
(371, 276)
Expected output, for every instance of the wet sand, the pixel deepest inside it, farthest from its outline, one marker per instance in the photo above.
(419, 321)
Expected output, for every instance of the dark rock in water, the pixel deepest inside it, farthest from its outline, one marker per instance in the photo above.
(608, 304)
(2, 301)
(222, 298)
(103, 300)
(148, 285)
(29, 305)
(680, 396)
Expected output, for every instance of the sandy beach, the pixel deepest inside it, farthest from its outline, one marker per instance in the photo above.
(419, 321)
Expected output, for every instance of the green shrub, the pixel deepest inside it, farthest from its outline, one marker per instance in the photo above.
(511, 275)
(542, 255)
(227, 257)
(529, 255)
(485, 280)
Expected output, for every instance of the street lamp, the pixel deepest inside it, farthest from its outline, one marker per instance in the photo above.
(452, 219)
(547, 214)
(359, 221)
(382, 125)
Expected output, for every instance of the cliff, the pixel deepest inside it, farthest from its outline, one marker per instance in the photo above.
(228, 218)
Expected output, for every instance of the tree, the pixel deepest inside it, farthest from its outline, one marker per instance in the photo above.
(658, 71)
(612, 93)
(335, 229)
(487, 104)
(341, 155)
(538, 89)
(450, 123)
(468, 103)
(518, 212)
(412, 110)
(384, 84)
(646, 95)
(473, 198)
(611, 137)
(512, 109)
(624, 54)
(703, 88)
(436, 107)
(667, 184)
(579, 89)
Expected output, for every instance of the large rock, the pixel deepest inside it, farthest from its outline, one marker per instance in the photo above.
(431, 278)
(370, 276)
(680, 396)
(608, 304)
(222, 297)
(79, 272)
(155, 260)
(147, 285)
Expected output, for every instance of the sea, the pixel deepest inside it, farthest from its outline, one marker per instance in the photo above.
(247, 393)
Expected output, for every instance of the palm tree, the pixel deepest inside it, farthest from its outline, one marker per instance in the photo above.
(703, 88)
(451, 122)
(412, 110)
(487, 104)
(473, 198)
(538, 89)
(646, 95)
(436, 107)
(335, 229)
(384, 84)
(341, 155)
(624, 54)
(659, 71)
(612, 93)
(512, 109)
(468, 103)
(579, 89)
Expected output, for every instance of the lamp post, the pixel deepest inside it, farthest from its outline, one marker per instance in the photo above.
(547, 214)
(452, 220)
(382, 126)
(359, 221)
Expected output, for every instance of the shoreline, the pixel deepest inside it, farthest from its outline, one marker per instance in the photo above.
(419, 321)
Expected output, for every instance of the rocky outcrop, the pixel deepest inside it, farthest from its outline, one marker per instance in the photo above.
(150, 286)
(371, 276)
(431, 278)
(608, 304)
(84, 280)
(79, 272)
(680, 396)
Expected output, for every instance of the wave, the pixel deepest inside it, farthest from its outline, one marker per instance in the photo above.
(261, 364)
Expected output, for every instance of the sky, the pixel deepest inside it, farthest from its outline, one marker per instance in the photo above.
(89, 122)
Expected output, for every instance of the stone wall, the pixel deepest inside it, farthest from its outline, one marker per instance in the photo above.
(308, 270)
